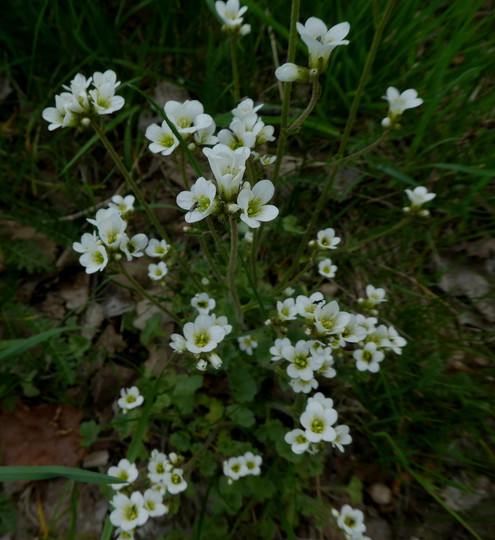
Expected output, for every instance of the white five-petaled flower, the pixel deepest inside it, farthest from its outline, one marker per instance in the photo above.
(318, 421)
(199, 201)
(351, 521)
(231, 14)
(203, 335)
(287, 309)
(174, 481)
(129, 512)
(247, 344)
(162, 139)
(188, 116)
(253, 463)
(122, 204)
(327, 239)
(157, 272)
(321, 41)
(368, 358)
(130, 398)
(94, 255)
(203, 303)
(153, 503)
(157, 248)
(418, 196)
(158, 465)
(125, 470)
(298, 441)
(228, 167)
(398, 103)
(327, 269)
(342, 437)
(253, 201)
(235, 467)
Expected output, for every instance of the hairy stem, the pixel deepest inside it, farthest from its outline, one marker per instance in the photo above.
(234, 248)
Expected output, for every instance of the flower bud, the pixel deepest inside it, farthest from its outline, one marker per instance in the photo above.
(386, 122)
(291, 73)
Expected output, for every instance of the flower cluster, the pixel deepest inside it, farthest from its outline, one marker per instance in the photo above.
(231, 14)
(193, 125)
(398, 103)
(351, 522)
(418, 196)
(228, 194)
(321, 41)
(237, 467)
(80, 104)
(247, 129)
(110, 242)
(318, 421)
(201, 338)
(130, 398)
(133, 509)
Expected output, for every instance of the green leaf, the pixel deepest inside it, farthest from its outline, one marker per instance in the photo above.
(89, 432)
(180, 440)
(290, 225)
(14, 347)
(355, 490)
(242, 384)
(242, 416)
(11, 474)
(152, 329)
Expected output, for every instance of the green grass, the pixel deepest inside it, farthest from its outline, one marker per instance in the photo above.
(420, 416)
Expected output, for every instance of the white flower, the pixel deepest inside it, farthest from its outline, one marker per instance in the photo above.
(327, 269)
(174, 481)
(123, 204)
(329, 319)
(247, 344)
(292, 73)
(222, 322)
(104, 100)
(158, 465)
(342, 437)
(60, 115)
(398, 102)
(156, 272)
(130, 398)
(418, 196)
(368, 358)
(203, 303)
(125, 470)
(327, 370)
(287, 310)
(231, 14)
(124, 535)
(235, 467)
(326, 239)
(277, 350)
(375, 295)
(153, 503)
(109, 77)
(302, 385)
(203, 335)
(157, 248)
(228, 167)
(133, 247)
(206, 135)
(351, 521)
(253, 463)
(353, 332)
(306, 306)
(94, 255)
(298, 441)
(395, 342)
(111, 227)
(321, 41)
(162, 139)
(178, 343)
(246, 108)
(318, 422)
(214, 360)
(200, 201)
(302, 364)
(188, 116)
(325, 402)
(253, 204)
(129, 511)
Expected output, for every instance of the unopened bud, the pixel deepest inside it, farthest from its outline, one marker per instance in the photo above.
(292, 73)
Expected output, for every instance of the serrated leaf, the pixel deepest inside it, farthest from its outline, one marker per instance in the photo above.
(242, 384)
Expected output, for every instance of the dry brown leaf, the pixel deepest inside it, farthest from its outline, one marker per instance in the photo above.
(43, 435)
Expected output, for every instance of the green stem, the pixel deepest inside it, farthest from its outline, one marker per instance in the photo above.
(234, 248)
(130, 180)
(315, 95)
(383, 20)
(148, 296)
(142, 201)
(235, 69)
(291, 54)
(366, 149)
(323, 199)
(209, 256)
(182, 163)
(218, 242)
